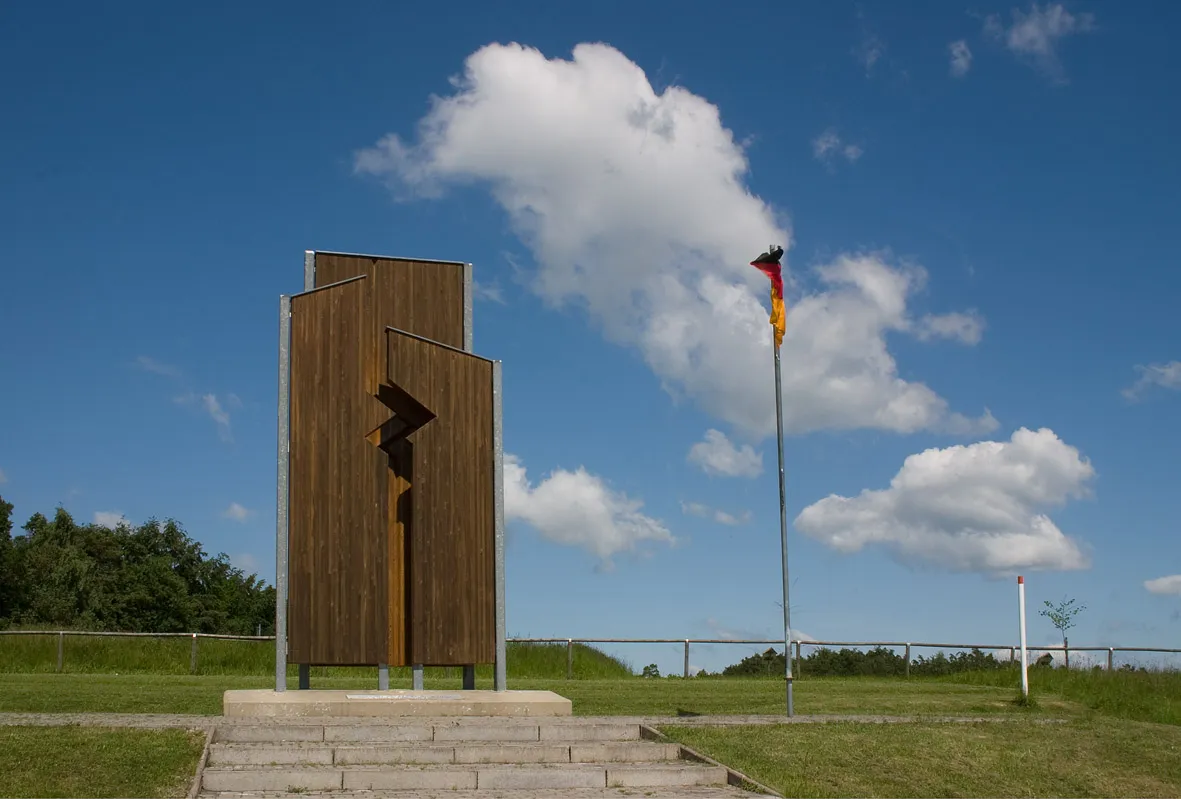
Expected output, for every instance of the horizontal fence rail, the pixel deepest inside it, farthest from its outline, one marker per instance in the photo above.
(685, 642)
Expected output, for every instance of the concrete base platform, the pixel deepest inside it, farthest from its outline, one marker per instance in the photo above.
(395, 703)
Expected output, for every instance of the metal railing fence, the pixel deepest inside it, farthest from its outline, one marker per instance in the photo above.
(685, 642)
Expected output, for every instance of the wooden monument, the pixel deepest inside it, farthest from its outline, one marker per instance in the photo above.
(390, 508)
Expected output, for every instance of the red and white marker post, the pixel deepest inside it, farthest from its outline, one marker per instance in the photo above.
(1024, 658)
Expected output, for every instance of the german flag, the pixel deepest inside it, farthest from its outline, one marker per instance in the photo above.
(769, 264)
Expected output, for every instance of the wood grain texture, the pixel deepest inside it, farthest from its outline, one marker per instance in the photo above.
(423, 298)
(340, 604)
(401, 464)
(450, 541)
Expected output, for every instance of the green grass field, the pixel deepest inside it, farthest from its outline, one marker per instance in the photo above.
(142, 693)
(1140, 695)
(1096, 757)
(1108, 734)
(87, 761)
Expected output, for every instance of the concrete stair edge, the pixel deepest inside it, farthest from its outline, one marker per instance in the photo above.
(675, 792)
(247, 754)
(419, 731)
(460, 777)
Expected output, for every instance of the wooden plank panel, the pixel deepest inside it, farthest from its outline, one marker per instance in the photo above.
(451, 538)
(400, 477)
(339, 606)
(423, 298)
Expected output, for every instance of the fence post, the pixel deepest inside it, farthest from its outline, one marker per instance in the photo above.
(1110, 657)
(61, 650)
(908, 660)
(193, 656)
(569, 659)
(686, 658)
(1012, 654)
(799, 659)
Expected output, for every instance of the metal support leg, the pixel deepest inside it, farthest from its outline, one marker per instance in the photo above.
(500, 669)
(416, 670)
(282, 557)
(383, 677)
(469, 678)
(305, 676)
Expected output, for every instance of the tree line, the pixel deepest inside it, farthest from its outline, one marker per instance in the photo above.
(152, 578)
(877, 662)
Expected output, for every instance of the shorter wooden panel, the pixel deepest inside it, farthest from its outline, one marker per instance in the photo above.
(451, 538)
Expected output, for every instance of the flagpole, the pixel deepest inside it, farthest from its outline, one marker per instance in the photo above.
(783, 523)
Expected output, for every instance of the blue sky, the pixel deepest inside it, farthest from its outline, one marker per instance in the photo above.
(976, 203)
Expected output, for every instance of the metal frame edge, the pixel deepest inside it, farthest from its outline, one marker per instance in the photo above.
(282, 497)
(501, 666)
(389, 257)
(309, 270)
(467, 307)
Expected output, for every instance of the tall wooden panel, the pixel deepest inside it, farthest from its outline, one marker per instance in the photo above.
(451, 537)
(421, 297)
(339, 596)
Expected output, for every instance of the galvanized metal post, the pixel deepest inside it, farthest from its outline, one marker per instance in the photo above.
(193, 656)
(783, 528)
(383, 677)
(61, 651)
(467, 308)
(501, 669)
(799, 659)
(309, 270)
(908, 660)
(686, 658)
(569, 659)
(281, 502)
(1110, 658)
(1024, 651)
(416, 680)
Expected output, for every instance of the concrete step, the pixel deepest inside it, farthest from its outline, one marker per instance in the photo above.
(458, 777)
(504, 731)
(321, 753)
(684, 792)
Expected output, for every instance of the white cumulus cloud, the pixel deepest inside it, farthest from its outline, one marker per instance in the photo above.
(109, 518)
(720, 516)
(961, 58)
(967, 328)
(149, 364)
(1164, 585)
(1161, 375)
(979, 508)
(1034, 35)
(489, 292)
(213, 407)
(829, 145)
(237, 512)
(635, 208)
(579, 509)
(717, 456)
